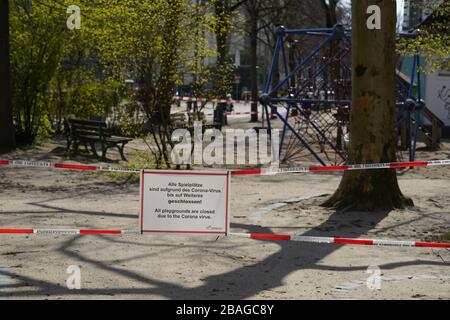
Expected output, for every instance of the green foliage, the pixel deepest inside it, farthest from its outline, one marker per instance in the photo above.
(45, 130)
(433, 40)
(36, 49)
(445, 237)
(153, 42)
(89, 98)
(223, 25)
(128, 119)
(58, 72)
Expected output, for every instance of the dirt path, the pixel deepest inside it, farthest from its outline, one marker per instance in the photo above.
(199, 267)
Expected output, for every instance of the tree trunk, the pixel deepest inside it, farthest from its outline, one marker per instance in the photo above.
(373, 115)
(330, 12)
(222, 27)
(7, 135)
(253, 61)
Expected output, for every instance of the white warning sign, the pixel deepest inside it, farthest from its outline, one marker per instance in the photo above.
(184, 201)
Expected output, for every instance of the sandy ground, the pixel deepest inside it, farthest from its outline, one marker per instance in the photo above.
(201, 267)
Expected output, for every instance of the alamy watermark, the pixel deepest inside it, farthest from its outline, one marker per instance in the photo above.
(373, 282)
(4, 276)
(74, 20)
(73, 282)
(231, 146)
(374, 20)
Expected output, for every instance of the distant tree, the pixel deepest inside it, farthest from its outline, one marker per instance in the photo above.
(254, 12)
(330, 7)
(202, 73)
(7, 138)
(224, 13)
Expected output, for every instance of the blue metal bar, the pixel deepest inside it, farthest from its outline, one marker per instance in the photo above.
(301, 140)
(269, 125)
(347, 39)
(419, 85)
(418, 125)
(401, 118)
(317, 33)
(274, 61)
(283, 134)
(418, 111)
(411, 138)
(327, 30)
(413, 78)
(408, 114)
(286, 73)
(305, 61)
(412, 135)
(418, 118)
(402, 86)
(305, 31)
(283, 54)
(407, 35)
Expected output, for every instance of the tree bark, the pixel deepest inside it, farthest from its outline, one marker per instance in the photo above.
(7, 134)
(253, 11)
(373, 115)
(330, 12)
(222, 12)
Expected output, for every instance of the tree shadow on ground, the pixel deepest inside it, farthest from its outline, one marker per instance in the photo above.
(241, 283)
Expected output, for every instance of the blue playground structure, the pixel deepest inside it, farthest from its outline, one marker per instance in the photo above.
(313, 97)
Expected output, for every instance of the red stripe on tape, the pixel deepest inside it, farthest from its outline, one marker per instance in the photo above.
(250, 171)
(75, 167)
(16, 231)
(408, 164)
(352, 241)
(270, 236)
(328, 168)
(100, 231)
(432, 245)
(4, 162)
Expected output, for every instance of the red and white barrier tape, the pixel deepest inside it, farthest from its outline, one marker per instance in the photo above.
(322, 169)
(261, 171)
(342, 241)
(66, 231)
(217, 100)
(258, 236)
(233, 113)
(66, 166)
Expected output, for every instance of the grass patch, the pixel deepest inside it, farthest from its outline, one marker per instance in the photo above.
(139, 160)
(444, 237)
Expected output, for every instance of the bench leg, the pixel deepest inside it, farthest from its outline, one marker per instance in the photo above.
(121, 149)
(94, 151)
(104, 150)
(75, 147)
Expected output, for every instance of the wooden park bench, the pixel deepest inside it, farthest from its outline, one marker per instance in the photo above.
(181, 121)
(90, 132)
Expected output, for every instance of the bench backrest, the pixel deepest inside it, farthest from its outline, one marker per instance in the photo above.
(88, 129)
(178, 120)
